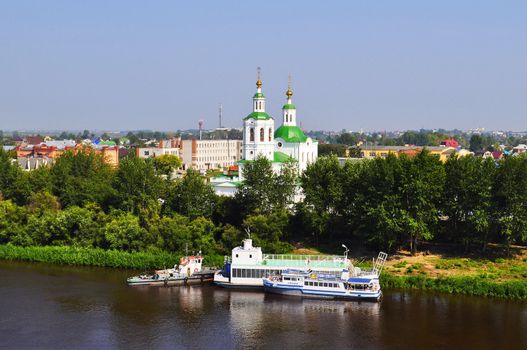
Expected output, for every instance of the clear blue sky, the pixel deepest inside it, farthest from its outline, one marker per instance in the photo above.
(163, 65)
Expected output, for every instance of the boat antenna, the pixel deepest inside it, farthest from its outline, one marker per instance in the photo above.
(248, 231)
(346, 251)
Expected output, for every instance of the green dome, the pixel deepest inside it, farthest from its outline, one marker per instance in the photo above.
(258, 116)
(258, 95)
(289, 106)
(290, 134)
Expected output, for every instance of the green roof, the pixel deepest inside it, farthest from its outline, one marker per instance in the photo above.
(258, 116)
(107, 143)
(280, 157)
(290, 134)
(289, 106)
(258, 95)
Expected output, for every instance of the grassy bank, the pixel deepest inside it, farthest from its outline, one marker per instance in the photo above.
(475, 286)
(490, 276)
(66, 255)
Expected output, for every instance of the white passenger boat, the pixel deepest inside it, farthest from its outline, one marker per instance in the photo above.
(362, 285)
(188, 271)
(248, 265)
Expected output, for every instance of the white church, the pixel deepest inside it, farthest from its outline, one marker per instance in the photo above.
(261, 139)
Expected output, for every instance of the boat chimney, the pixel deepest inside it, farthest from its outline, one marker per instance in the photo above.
(247, 244)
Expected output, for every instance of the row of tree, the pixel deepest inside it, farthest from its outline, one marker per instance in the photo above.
(389, 203)
(395, 201)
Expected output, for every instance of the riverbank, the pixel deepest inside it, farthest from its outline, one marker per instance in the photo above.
(490, 276)
(65, 255)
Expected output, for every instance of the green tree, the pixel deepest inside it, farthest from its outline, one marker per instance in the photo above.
(137, 185)
(268, 230)
(82, 177)
(124, 232)
(467, 200)
(192, 196)
(509, 198)
(257, 191)
(166, 164)
(14, 182)
(12, 224)
(421, 191)
(322, 188)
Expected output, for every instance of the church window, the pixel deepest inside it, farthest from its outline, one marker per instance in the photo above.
(261, 135)
(279, 144)
(270, 134)
(251, 133)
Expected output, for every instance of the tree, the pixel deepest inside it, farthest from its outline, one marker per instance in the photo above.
(421, 190)
(123, 232)
(371, 200)
(166, 164)
(137, 185)
(12, 224)
(268, 230)
(257, 192)
(509, 198)
(467, 200)
(13, 180)
(347, 139)
(326, 149)
(192, 196)
(82, 177)
(322, 187)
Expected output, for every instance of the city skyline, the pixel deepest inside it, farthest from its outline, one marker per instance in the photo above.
(382, 66)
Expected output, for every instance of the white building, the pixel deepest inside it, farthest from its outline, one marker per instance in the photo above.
(210, 154)
(171, 146)
(287, 143)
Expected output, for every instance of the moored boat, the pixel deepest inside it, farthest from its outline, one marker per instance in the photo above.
(361, 285)
(247, 265)
(189, 271)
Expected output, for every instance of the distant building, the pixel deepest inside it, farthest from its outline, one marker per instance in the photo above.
(171, 146)
(521, 148)
(210, 154)
(31, 156)
(450, 143)
(373, 151)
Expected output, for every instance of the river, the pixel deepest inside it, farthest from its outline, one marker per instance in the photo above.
(59, 307)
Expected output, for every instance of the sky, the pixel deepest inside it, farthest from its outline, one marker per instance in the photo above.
(164, 65)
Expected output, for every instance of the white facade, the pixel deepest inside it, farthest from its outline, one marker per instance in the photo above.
(150, 152)
(210, 154)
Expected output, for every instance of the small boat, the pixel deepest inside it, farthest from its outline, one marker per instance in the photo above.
(188, 271)
(361, 285)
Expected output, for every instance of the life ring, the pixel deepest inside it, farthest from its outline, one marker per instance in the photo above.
(196, 269)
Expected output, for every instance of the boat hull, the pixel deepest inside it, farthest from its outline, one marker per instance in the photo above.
(318, 294)
(194, 279)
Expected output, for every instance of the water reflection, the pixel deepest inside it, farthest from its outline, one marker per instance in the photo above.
(61, 307)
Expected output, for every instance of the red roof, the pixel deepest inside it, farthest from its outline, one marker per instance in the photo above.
(450, 143)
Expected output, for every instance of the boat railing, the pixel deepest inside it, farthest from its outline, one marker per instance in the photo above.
(307, 258)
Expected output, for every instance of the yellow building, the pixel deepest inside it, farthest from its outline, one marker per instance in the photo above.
(373, 151)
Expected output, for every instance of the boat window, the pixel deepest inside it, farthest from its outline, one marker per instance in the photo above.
(325, 284)
(236, 255)
(250, 256)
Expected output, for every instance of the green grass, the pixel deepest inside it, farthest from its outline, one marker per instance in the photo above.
(65, 255)
(476, 286)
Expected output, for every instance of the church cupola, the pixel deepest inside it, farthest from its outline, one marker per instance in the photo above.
(289, 109)
(258, 98)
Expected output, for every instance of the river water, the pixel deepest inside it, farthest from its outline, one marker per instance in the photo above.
(46, 306)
